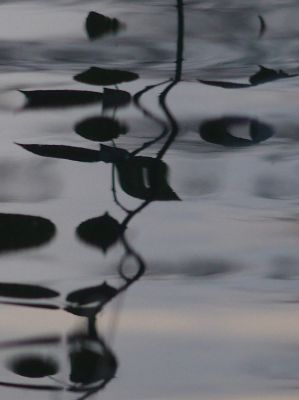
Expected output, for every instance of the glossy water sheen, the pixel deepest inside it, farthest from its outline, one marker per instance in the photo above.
(164, 264)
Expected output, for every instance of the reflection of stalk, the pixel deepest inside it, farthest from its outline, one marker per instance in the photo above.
(174, 127)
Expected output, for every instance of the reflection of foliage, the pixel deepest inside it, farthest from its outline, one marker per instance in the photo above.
(92, 363)
(101, 76)
(101, 232)
(100, 129)
(19, 231)
(264, 75)
(217, 131)
(98, 25)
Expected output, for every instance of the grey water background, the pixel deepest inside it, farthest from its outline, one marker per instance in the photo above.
(216, 314)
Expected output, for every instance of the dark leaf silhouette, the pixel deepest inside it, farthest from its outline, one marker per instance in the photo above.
(265, 75)
(145, 178)
(101, 293)
(106, 154)
(226, 85)
(113, 98)
(19, 231)
(217, 131)
(90, 362)
(33, 366)
(100, 129)
(262, 26)
(102, 232)
(59, 98)
(100, 76)
(63, 152)
(26, 291)
(98, 25)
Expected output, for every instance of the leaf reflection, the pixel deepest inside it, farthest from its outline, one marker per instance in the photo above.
(19, 231)
(97, 25)
(101, 76)
(217, 131)
(100, 129)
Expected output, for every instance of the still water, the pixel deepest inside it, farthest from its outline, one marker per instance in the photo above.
(149, 200)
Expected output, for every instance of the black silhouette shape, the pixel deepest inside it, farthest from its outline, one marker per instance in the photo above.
(114, 98)
(264, 75)
(63, 152)
(263, 26)
(91, 361)
(100, 129)
(102, 232)
(97, 25)
(105, 154)
(59, 98)
(26, 291)
(101, 293)
(217, 131)
(145, 178)
(101, 76)
(33, 366)
(19, 231)
(226, 85)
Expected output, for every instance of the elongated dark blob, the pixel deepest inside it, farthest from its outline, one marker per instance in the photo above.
(101, 76)
(63, 152)
(18, 231)
(100, 293)
(26, 291)
(33, 366)
(59, 98)
(225, 85)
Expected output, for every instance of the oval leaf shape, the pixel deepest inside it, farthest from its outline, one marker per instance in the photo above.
(114, 98)
(100, 129)
(101, 76)
(102, 232)
(98, 25)
(26, 291)
(101, 293)
(145, 178)
(19, 231)
(59, 98)
(217, 131)
(33, 366)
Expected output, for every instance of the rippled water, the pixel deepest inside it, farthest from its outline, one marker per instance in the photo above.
(149, 218)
